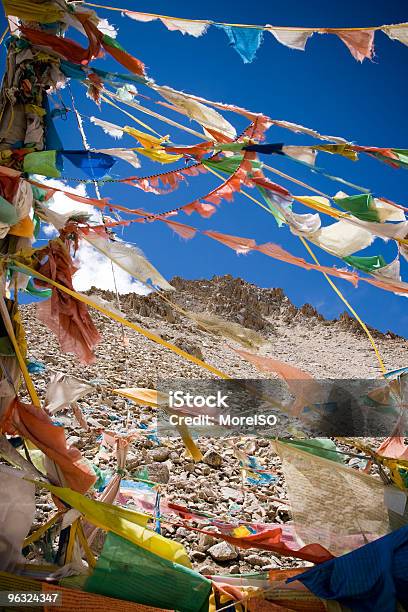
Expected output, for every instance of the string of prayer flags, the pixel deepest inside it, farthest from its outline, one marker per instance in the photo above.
(246, 38)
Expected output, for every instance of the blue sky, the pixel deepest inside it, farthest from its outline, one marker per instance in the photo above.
(323, 88)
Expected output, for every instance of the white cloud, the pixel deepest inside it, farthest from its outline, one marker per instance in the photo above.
(50, 231)
(62, 204)
(95, 270)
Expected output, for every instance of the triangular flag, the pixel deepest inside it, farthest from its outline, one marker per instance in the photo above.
(303, 154)
(359, 42)
(245, 41)
(294, 39)
(194, 28)
(140, 16)
(397, 32)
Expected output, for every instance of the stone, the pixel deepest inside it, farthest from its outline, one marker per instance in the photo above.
(198, 556)
(206, 492)
(255, 560)
(228, 493)
(175, 457)
(213, 459)
(182, 532)
(205, 541)
(158, 472)
(159, 454)
(223, 552)
(189, 347)
(272, 564)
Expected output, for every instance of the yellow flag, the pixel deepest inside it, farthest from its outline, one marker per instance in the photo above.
(159, 155)
(125, 523)
(27, 10)
(146, 140)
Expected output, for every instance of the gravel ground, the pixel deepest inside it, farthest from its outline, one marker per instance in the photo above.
(301, 337)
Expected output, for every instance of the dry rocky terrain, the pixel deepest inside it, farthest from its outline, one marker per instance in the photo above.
(298, 336)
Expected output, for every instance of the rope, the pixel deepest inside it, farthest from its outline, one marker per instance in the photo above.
(122, 110)
(243, 25)
(71, 542)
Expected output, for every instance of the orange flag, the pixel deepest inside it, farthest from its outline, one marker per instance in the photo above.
(360, 42)
(301, 384)
(34, 424)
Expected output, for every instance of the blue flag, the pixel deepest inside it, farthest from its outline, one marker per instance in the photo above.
(245, 41)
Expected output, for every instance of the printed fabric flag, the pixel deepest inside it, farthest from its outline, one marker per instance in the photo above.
(32, 423)
(397, 32)
(361, 205)
(374, 577)
(124, 523)
(49, 163)
(208, 117)
(130, 259)
(17, 515)
(8, 214)
(246, 41)
(126, 571)
(63, 390)
(143, 17)
(359, 42)
(42, 12)
(342, 239)
(94, 165)
(194, 28)
(318, 487)
(45, 163)
(294, 39)
(321, 447)
(366, 264)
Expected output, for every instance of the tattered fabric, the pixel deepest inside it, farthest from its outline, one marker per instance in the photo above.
(68, 318)
(397, 32)
(63, 390)
(245, 41)
(374, 577)
(30, 10)
(207, 117)
(17, 516)
(359, 42)
(33, 423)
(317, 486)
(94, 165)
(148, 578)
(302, 384)
(294, 39)
(129, 259)
(185, 26)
